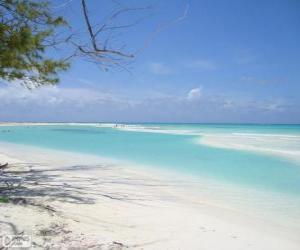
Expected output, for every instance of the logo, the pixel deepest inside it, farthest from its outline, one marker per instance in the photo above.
(16, 241)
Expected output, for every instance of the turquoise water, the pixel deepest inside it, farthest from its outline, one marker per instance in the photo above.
(174, 151)
(264, 185)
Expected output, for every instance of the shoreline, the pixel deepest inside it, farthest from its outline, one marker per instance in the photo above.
(257, 143)
(106, 202)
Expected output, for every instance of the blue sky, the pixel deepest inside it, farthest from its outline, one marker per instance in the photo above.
(212, 61)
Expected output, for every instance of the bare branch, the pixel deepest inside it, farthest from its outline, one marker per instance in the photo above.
(161, 27)
(87, 21)
(101, 51)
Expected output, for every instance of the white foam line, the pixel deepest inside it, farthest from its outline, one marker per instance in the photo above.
(159, 131)
(267, 135)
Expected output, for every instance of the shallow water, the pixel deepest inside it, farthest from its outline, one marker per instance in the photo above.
(179, 148)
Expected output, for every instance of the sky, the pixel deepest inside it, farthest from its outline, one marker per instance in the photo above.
(206, 61)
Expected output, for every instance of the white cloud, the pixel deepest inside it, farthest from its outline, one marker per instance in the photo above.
(55, 103)
(57, 96)
(158, 68)
(252, 105)
(202, 65)
(228, 104)
(271, 106)
(274, 107)
(194, 94)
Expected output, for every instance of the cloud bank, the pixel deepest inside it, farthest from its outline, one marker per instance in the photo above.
(54, 103)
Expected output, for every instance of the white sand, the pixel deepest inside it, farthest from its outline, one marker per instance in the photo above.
(286, 146)
(100, 203)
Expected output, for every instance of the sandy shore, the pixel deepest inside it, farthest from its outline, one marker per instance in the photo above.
(277, 145)
(74, 200)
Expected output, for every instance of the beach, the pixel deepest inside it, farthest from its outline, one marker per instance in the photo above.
(85, 201)
(164, 125)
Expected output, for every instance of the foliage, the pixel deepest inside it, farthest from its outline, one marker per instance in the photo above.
(26, 31)
(29, 31)
(4, 200)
